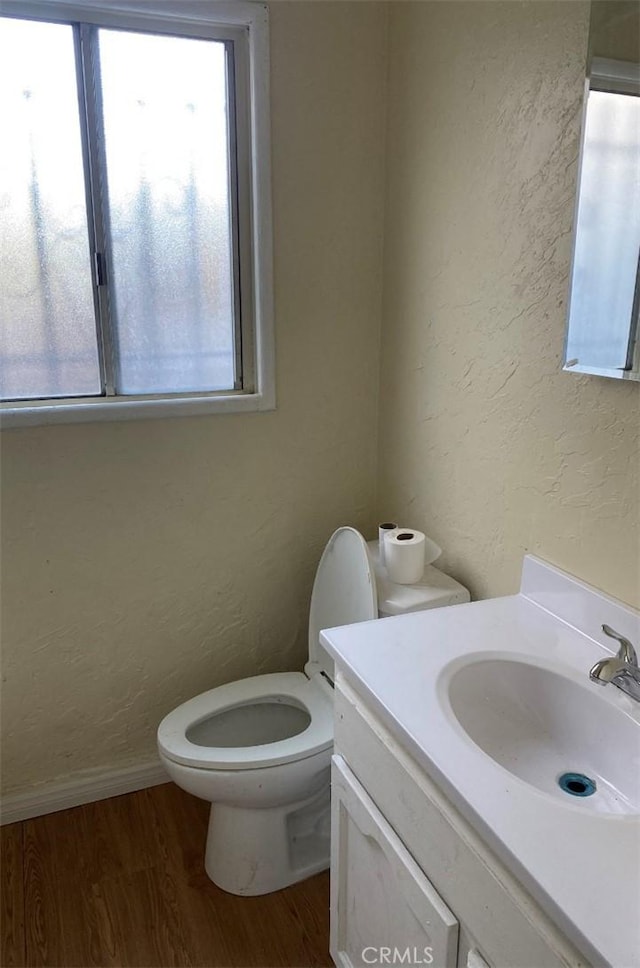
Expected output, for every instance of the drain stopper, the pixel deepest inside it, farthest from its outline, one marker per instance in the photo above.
(577, 784)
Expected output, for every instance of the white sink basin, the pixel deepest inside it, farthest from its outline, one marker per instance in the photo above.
(540, 724)
(493, 701)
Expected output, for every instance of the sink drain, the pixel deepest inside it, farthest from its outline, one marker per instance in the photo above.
(577, 784)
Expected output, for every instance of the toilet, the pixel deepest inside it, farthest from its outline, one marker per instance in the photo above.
(259, 749)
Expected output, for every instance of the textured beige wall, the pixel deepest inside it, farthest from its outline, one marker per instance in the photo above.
(484, 442)
(144, 562)
(615, 29)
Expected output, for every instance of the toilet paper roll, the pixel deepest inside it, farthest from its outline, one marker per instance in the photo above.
(388, 527)
(404, 555)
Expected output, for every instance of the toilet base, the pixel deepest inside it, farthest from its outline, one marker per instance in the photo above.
(252, 852)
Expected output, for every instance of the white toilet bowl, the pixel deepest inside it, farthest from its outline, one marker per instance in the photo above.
(259, 749)
(270, 790)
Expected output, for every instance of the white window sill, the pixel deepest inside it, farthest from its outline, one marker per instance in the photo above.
(33, 413)
(617, 373)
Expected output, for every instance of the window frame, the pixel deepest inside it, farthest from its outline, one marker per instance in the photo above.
(611, 76)
(245, 25)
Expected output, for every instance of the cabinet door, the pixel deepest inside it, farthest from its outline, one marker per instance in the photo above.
(384, 911)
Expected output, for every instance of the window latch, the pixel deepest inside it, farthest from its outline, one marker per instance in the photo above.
(100, 267)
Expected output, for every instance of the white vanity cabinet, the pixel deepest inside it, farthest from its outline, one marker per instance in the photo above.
(380, 897)
(412, 883)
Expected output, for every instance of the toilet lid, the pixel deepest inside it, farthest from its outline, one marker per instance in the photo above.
(344, 592)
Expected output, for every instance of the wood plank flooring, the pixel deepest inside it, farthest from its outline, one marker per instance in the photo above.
(122, 883)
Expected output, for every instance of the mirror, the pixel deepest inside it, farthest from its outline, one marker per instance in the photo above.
(604, 290)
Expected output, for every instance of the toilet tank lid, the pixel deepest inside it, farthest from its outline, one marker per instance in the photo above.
(344, 592)
(434, 589)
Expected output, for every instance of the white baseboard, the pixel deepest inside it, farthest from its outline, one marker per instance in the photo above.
(80, 789)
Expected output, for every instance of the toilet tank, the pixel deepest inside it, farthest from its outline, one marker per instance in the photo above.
(434, 590)
(352, 586)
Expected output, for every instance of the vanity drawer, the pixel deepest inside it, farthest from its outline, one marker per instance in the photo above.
(491, 905)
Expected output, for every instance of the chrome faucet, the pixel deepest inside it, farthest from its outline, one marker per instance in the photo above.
(621, 669)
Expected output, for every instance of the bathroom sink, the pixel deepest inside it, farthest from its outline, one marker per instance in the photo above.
(551, 731)
(492, 700)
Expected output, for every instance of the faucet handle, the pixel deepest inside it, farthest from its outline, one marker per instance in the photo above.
(626, 653)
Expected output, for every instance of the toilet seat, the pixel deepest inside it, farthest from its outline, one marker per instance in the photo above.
(277, 687)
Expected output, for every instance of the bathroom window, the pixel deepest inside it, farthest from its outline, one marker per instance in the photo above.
(604, 305)
(134, 185)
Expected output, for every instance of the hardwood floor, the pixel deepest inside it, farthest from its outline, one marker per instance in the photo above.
(122, 883)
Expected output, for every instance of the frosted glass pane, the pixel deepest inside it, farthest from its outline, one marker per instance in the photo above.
(165, 117)
(607, 232)
(48, 335)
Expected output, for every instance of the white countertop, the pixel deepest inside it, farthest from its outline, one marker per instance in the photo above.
(582, 867)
